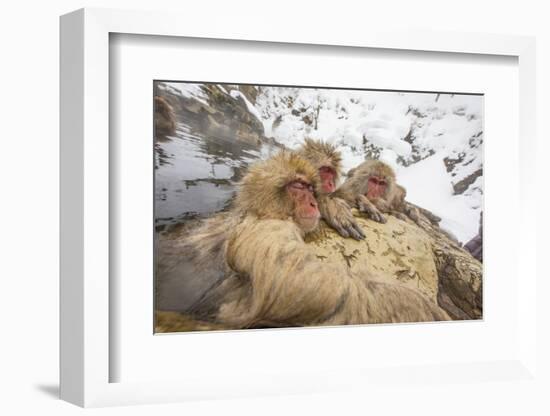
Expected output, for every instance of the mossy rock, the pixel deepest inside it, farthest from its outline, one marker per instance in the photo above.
(166, 322)
(394, 252)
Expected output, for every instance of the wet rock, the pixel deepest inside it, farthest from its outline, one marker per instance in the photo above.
(475, 245)
(165, 119)
(250, 92)
(220, 114)
(461, 186)
(178, 322)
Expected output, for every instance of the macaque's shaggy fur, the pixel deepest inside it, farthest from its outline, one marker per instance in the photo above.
(355, 189)
(268, 276)
(262, 192)
(320, 154)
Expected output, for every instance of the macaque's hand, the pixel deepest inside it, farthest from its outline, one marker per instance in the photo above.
(400, 215)
(367, 207)
(337, 213)
(413, 213)
(381, 205)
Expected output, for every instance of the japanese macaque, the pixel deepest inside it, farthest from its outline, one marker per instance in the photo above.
(335, 211)
(475, 245)
(371, 187)
(268, 276)
(165, 119)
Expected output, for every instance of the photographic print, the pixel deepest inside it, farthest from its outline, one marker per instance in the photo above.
(290, 206)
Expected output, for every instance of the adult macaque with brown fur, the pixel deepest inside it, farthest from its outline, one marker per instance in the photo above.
(371, 187)
(335, 211)
(272, 278)
(165, 119)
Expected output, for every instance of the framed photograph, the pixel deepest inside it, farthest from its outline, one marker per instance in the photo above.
(413, 164)
(249, 215)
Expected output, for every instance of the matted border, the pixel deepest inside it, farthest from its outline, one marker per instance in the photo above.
(85, 198)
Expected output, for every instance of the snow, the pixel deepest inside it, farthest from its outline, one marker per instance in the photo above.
(189, 90)
(221, 87)
(236, 94)
(386, 134)
(254, 111)
(428, 185)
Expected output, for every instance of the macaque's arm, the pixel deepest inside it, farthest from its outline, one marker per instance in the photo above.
(289, 284)
(381, 205)
(337, 213)
(359, 201)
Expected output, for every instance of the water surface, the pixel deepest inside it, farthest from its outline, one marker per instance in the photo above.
(196, 171)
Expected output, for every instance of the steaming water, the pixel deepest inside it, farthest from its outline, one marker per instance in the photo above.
(196, 172)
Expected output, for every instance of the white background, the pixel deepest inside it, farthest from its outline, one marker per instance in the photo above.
(29, 114)
(139, 60)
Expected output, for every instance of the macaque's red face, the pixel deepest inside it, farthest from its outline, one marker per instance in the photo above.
(376, 187)
(328, 179)
(306, 210)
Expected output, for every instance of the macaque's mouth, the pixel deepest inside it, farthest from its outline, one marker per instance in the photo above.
(328, 187)
(316, 216)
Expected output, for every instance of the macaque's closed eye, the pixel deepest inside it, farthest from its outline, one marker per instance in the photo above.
(300, 185)
(377, 181)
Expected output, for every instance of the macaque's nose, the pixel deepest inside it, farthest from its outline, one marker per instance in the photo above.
(329, 186)
(313, 202)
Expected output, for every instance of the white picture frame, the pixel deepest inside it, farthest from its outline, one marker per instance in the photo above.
(86, 356)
